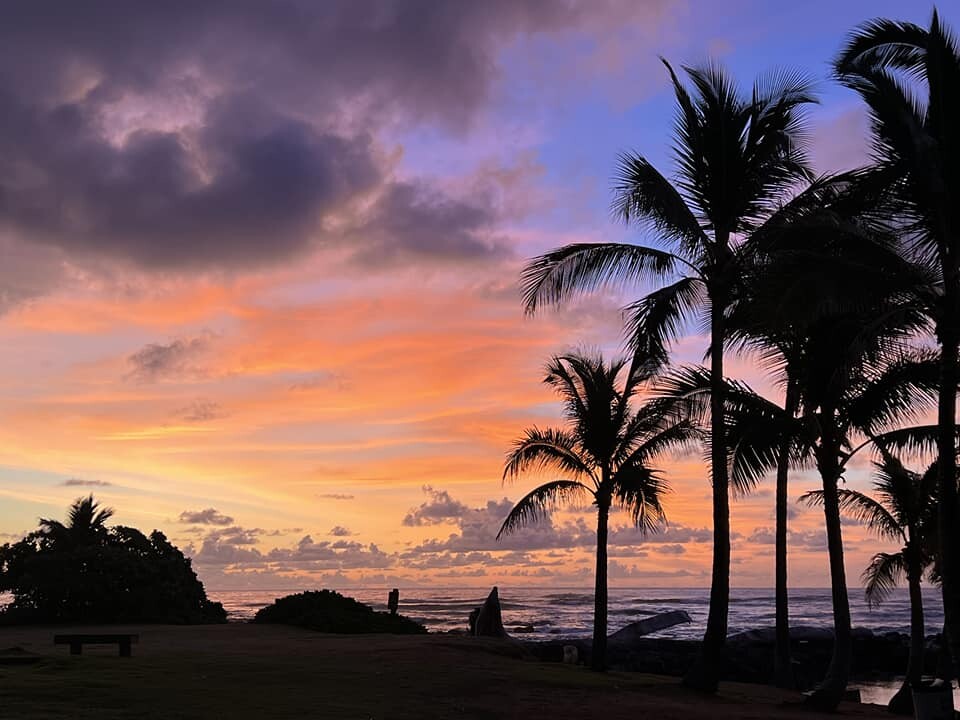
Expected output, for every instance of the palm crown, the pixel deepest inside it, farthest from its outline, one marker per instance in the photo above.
(86, 521)
(606, 448)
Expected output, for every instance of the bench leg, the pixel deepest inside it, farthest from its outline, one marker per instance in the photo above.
(124, 648)
(76, 648)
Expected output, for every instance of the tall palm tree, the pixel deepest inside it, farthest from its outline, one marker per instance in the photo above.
(909, 77)
(604, 453)
(86, 524)
(737, 156)
(905, 511)
(758, 324)
(861, 395)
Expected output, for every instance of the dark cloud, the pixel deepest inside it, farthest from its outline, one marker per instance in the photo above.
(78, 482)
(414, 222)
(233, 133)
(210, 516)
(200, 411)
(174, 360)
(335, 496)
(439, 508)
(339, 531)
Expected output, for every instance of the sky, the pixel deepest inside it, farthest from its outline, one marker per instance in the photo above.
(259, 273)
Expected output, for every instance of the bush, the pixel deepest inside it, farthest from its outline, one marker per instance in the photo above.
(331, 612)
(100, 574)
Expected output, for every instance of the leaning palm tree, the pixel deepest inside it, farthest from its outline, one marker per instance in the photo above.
(904, 511)
(604, 453)
(909, 77)
(737, 156)
(86, 522)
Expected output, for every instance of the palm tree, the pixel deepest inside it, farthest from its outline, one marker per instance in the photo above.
(916, 145)
(758, 325)
(738, 155)
(86, 524)
(905, 511)
(604, 453)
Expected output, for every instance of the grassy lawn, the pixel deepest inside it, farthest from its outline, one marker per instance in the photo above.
(246, 671)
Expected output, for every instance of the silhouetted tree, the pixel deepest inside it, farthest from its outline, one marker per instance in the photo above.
(86, 571)
(86, 524)
(905, 511)
(604, 453)
(916, 148)
(737, 155)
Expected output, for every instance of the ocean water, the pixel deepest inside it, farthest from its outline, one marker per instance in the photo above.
(568, 612)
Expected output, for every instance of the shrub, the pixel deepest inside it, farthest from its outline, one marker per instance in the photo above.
(100, 574)
(331, 612)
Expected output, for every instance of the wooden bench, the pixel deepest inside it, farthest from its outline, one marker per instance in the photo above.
(76, 642)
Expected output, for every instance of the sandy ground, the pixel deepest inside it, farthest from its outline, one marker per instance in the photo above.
(255, 671)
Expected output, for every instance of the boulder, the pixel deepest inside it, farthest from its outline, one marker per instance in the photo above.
(486, 620)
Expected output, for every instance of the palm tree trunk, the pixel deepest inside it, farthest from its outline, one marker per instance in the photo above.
(902, 702)
(598, 653)
(828, 694)
(947, 471)
(783, 662)
(705, 674)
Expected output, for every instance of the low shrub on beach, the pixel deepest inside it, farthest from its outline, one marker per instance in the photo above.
(331, 612)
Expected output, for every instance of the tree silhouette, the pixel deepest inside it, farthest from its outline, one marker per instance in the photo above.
(905, 511)
(916, 148)
(86, 524)
(604, 453)
(737, 156)
(86, 571)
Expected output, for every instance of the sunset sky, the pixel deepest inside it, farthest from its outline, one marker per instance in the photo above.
(259, 263)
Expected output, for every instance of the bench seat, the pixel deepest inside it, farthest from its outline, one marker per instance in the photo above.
(76, 642)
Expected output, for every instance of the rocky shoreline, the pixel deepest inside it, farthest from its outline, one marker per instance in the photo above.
(750, 654)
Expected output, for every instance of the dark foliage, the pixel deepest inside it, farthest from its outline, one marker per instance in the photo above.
(103, 575)
(331, 612)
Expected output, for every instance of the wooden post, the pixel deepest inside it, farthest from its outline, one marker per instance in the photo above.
(393, 601)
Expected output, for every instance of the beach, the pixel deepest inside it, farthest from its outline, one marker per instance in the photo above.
(240, 670)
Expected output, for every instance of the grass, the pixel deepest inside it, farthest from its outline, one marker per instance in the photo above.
(245, 671)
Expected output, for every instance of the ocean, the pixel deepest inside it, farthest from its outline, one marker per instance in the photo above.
(556, 612)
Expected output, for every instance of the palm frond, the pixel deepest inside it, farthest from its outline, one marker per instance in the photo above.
(915, 440)
(655, 322)
(538, 503)
(548, 449)
(640, 490)
(651, 435)
(900, 390)
(573, 270)
(642, 194)
(881, 576)
(883, 43)
(861, 508)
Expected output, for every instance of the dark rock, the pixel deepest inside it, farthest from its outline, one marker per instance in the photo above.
(487, 620)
